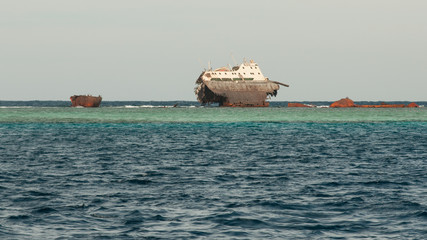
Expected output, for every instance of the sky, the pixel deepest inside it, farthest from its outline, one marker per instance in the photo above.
(373, 50)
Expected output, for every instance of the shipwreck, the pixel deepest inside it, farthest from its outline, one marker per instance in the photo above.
(85, 101)
(239, 86)
(347, 102)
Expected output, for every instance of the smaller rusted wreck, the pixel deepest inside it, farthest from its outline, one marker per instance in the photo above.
(85, 101)
(348, 103)
(240, 86)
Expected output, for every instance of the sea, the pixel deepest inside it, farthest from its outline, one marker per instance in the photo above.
(179, 170)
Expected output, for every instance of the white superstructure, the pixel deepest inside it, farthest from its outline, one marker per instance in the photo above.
(247, 71)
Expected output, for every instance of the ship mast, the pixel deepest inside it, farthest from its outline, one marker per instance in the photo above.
(234, 60)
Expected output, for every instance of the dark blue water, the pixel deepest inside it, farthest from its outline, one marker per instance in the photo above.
(213, 180)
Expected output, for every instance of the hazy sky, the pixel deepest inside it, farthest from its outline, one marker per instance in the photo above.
(155, 50)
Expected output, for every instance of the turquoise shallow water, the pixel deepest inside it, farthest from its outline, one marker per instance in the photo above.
(200, 114)
(126, 171)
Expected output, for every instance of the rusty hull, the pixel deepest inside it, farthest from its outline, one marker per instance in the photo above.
(85, 101)
(236, 93)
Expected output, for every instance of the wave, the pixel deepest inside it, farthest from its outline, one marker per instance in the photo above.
(156, 106)
(5, 107)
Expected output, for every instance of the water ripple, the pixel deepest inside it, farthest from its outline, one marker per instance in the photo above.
(213, 180)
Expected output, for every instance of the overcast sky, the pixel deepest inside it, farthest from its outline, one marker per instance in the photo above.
(155, 50)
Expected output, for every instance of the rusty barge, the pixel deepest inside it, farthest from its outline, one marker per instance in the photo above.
(85, 101)
(239, 86)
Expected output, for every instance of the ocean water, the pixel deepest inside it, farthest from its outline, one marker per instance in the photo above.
(146, 170)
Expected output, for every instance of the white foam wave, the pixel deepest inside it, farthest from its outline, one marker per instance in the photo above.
(17, 107)
(152, 106)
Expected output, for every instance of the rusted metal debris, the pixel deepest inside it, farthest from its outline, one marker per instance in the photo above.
(85, 101)
(347, 102)
(241, 86)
